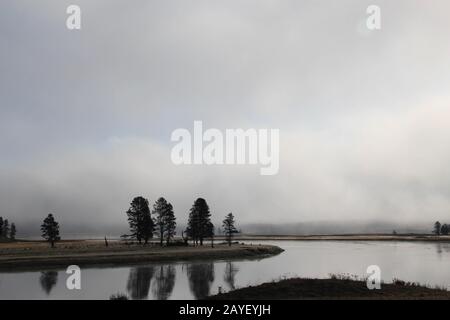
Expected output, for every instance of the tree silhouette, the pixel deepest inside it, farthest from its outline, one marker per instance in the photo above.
(199, 223)
(164, 220)
(201, 276)
(6, 228)
(445, 229)
(171, 224)
(139, 281)
(48, 280)
(50, 230)
(13, 231)
(140, 220)
(229, 228)
(437, 228)
(164, 282)
(1, 227)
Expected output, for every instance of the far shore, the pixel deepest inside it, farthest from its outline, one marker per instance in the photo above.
(31, 255)
(347, 237)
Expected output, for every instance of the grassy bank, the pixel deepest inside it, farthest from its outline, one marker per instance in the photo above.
(335, 288)
(38, 255)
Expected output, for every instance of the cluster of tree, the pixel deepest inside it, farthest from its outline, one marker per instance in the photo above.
(441, 229)
(144, 223)
(7, 231)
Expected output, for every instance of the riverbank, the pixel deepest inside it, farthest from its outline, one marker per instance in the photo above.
(331, 289)
(38, 255)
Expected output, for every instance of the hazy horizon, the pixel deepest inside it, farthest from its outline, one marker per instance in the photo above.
(86, 116)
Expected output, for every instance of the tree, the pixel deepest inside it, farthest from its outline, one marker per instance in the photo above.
(171, 224)
(199, 223)
(165, 220)
(1, 227)
(228, 227)
(6, 228)
(140, 220)
(437, 228)
(50, 230)
(12, 233)
(445, 229)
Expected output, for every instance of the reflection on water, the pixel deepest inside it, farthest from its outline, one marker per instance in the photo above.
(164, 282)
(230, 274)
(442, 247)
(424, 262)
(48, 280)
(139, 281)
(201, 276)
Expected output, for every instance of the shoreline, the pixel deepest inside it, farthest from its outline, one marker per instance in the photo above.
(33, 255)
(345, 237)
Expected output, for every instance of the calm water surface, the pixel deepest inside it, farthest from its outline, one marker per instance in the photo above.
(427, 263)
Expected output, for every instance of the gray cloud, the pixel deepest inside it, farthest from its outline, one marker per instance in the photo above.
(86, 117)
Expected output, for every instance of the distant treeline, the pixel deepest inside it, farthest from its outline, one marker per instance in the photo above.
(441, 229)
(7, 231)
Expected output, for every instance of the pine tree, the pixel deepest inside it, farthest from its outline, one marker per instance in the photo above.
(6, 228)
(229, 228)
(164, 220)
(199, 223)
(1, 227)
(192, 226)
(437, 228)
(50, 230)
(171, 223)
(445, 229)
(12, 233)
(140, 220)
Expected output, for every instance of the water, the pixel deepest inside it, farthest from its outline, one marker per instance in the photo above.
(424, 262)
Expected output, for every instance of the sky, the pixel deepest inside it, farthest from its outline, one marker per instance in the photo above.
(86, 115)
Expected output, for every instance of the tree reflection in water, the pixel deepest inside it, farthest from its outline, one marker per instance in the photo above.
(48, 280)
(139, 281)
(201, 276)
(230, 274)
(164, 282)
(442, 247)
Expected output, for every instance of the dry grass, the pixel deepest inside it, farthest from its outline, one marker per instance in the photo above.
(337, 287)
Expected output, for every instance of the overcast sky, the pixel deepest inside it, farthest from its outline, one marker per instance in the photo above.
(364, 116)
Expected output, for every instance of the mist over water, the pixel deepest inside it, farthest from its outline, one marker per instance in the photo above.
(363, 116)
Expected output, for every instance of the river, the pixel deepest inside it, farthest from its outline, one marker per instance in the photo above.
(424, 262)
